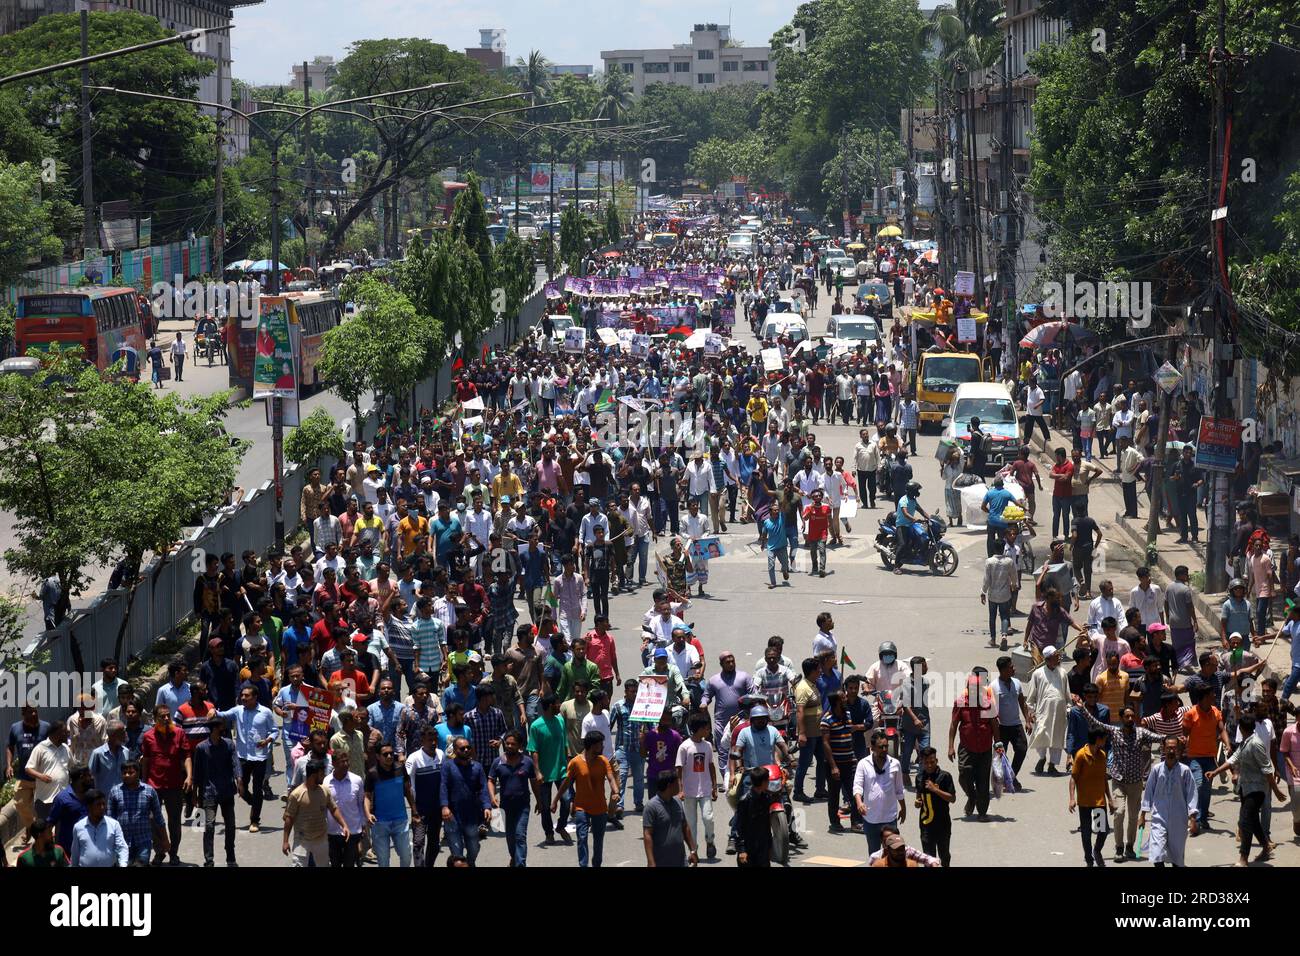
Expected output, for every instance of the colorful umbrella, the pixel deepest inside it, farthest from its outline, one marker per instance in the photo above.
(890, 231)
(1051, 334)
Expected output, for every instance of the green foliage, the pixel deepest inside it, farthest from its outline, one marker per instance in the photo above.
(319, 436)
(96, 468)
(719, 160)
(513, 268)
(27, 225)
(13, 613)
(573, 238)
(446, 281)
(156, 154)
(728, 114)
(469, 221)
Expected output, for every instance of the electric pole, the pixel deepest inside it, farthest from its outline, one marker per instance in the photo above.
(309, 179)
(844, 178)
(219, 195)
(89, 237)
(1222, 336)
(1010, 223)
(909, 179)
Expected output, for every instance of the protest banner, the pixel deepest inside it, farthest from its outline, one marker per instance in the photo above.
(651, 698)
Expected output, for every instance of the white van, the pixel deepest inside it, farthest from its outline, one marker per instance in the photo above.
(854, 328)
(783, 324)
(992, 404)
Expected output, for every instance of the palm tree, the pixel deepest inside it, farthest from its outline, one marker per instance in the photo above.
(615, 96)
(533, 75)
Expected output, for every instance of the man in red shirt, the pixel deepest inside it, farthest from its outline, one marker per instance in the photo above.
(1062, 491)
(977, 724)
(817, 520)
(322, 632)
(603, 653)
(166, 765)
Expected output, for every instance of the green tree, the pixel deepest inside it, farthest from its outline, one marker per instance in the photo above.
(533, 75)
(102, 469)
(469, 221)
(156, 154)
(613, 228)
(27, 225)
(346, 361)
(319, 436)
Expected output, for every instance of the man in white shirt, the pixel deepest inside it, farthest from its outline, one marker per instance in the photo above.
(1035, 400)
(866, 461)
(1103, 606)
(699, 480)
(1148, 598)
(682, 653)
(824, 642)
(808, 480)
(640, 531)
(479, 523)
(878, 790)
(593, 519)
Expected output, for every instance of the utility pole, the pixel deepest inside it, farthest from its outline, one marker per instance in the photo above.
(909, 177)
(1222, 335)
(1158, 464)
(550, 225)
(844, 178)
(309, 179)
(219, 193)
(878, 209)
(89, 236)
(1010, 223)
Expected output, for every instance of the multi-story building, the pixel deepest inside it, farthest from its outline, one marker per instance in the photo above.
(320, 73)
(710, 61)
(490, 54)
(583, 70)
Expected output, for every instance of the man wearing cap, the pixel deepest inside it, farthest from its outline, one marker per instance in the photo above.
(1049, 699)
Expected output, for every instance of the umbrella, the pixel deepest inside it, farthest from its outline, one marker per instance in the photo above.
(612, 254)
(242, 265)
(891, 231)
(930, 255)
(1054, 333)
(263, 265)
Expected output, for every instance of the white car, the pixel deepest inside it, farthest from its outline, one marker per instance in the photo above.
(783, 324)
(844, 267)
(992, 404)
(854, 328)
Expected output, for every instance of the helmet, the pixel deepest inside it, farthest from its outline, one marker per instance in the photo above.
(758, 710)
(888, 648)
(1236, 583)
(913, 488)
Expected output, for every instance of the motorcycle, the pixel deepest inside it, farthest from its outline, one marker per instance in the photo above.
(778, 782)
(889, 719)
(933, 552)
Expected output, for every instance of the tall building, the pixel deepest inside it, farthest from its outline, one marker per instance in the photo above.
(175, 16)
(321, 71)
(710, 61)
(490, 53)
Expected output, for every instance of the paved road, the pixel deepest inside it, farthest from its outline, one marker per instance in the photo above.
(940, 618)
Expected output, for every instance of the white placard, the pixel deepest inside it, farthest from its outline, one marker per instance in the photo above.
(966, 330)
(713, 344)
(575, 338)
(651, 699)
(474, 404)
(963, 283)
(848, 508)
(641, 345)
(772, 361)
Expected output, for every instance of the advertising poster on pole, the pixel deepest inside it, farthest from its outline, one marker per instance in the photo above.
(964, 284)
(273, 362)
(1218, 445)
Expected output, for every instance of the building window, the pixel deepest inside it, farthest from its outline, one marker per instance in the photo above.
(704, 77)
(756, 66)
(655, 67)
(628, 67)
(704, 54)
(682, 66)
(730, 66)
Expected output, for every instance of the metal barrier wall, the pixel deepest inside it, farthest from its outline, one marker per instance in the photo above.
(164, 601)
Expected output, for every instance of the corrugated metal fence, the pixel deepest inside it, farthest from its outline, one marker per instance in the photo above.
(165, 600)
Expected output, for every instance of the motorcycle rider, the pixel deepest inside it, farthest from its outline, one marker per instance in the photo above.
(885, 674)
(757, 744)
(908, 529)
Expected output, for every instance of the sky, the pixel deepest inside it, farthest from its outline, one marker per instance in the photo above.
(270, 37)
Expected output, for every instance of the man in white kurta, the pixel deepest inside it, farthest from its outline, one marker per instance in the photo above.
(1168, 803)
(1049, 697)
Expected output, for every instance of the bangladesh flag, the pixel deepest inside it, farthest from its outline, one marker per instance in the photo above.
(605, 403)
(846, 662)
(549, 596)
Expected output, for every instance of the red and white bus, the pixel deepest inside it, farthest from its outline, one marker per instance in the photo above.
(106, 322)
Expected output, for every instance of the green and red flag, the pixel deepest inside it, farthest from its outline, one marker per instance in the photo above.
(846, 662)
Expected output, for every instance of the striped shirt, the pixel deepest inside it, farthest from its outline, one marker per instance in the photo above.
(400, 637)
(627, 733)
(839, 735)
(1129, 757)
(429, 636)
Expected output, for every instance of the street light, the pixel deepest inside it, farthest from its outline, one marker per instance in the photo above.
(277, 402)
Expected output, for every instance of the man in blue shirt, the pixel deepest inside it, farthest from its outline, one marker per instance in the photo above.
(386, 713)
(97, 840)
(69, 805)
(255, 731)
(775, 542)
(907, 519)
(136, 807)
(215, 786)
(1291, 631)
(995, 500)
(466, 805)
(446, 532)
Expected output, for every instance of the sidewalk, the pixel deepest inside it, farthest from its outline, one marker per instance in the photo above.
(1106, 504)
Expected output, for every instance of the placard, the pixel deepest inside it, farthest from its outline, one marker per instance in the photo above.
(607, 336)
(641, 345)
(713, 344)
(651, 699)
(1218, 445)
(848, 508)
(772, 361)
(575, 338)
(966, 330)
(1168, 377)
(963, 283)
(706, 549)
(474, 404)
(320, 702)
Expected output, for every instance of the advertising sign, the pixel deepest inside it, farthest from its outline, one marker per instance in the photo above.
(1218, 445)
(273, 362)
